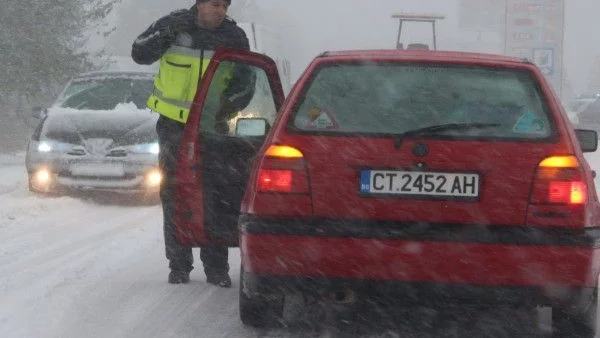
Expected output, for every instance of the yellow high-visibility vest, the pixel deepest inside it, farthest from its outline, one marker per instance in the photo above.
(177, 81)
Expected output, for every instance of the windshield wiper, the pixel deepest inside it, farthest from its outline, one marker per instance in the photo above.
(440, 128)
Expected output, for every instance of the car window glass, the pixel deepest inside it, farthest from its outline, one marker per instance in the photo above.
(387, 98)
(106, 93)
(249, 92)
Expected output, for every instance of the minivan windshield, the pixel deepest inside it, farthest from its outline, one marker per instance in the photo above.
(105, 93)
(400, 98)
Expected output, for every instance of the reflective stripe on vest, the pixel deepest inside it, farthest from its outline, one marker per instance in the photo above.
(177, 81)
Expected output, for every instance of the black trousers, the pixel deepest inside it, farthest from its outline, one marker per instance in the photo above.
(213, 257)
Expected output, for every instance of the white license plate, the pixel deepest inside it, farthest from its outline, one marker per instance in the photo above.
(97, 169)
(423, 183)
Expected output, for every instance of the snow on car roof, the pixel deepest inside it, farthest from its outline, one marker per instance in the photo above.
(422, 54)
(113, 74)
(122, 108)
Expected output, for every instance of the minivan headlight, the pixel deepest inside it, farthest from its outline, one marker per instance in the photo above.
(145, 148)
(48, 146)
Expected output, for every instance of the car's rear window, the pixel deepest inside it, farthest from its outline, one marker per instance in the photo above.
(400, 98)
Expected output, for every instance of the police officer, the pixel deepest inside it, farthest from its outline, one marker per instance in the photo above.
(184, 42)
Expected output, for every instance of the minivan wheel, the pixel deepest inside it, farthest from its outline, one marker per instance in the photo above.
(576, 325)
(33, 188)
(264, 311)
(41, 191)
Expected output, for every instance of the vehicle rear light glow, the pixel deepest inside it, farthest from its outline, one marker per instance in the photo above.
(275, 180)
(560, 162)
(283, 170)
(283, 152)
(559, 180)
(573, 192)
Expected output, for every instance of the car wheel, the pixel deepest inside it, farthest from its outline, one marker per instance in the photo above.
(39, 190)
(31, 187)
(581, 324)
(260, 311)
(150, 199)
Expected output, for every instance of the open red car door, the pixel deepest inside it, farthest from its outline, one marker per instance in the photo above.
(236, 103)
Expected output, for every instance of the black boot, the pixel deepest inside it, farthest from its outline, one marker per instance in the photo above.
(179, 277)
(219, 279)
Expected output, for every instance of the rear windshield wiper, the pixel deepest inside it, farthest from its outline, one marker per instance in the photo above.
(446, 127)
(440, 128)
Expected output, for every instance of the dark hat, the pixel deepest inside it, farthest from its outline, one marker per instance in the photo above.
(201, 1)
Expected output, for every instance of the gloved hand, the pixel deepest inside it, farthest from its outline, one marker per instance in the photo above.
(181, 21)
(225, 113)
(228, 109)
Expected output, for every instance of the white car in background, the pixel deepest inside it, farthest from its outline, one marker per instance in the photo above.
(579, 105)
(98, 135)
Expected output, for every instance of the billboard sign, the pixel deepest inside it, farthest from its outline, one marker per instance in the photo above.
(535, 30)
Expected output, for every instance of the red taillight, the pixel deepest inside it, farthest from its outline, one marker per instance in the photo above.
(275, 180)
(283, 170)
(559, 180)
(567, 192)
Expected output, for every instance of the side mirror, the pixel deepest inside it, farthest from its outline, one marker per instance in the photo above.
(39, 112)
(588, 140)
(251, 127)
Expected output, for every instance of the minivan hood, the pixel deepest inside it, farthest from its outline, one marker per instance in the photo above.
(125, 125)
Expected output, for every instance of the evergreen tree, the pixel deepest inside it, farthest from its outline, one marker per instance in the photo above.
(43, 43)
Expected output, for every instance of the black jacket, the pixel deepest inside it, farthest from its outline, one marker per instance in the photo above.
(156, 40)
(150, 46)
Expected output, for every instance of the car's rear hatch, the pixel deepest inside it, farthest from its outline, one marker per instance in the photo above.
(486, 182)
(430, 142)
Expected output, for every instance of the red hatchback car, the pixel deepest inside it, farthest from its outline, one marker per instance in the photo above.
(435, 177)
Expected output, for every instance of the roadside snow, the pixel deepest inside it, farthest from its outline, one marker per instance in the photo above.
(77, 267)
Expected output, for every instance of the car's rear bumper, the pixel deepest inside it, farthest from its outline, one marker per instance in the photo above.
(421, 293)
(476, 259)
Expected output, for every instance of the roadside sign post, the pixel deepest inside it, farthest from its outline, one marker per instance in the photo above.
(534, 30)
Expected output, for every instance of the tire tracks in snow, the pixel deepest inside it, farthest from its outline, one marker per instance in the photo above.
(45, 219)
(59, 228)
(45, 267)
(9, 172)
(65, 247)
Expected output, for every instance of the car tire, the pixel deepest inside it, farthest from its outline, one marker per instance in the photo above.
(265, 311)
(41, 192)
(582, 324)
(31, 187)
(150, 199)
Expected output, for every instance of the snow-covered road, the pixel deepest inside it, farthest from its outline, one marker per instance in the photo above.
(77, 267)
(73, 267)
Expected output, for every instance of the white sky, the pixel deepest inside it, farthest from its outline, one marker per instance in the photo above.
(346, 24)
(312, 26)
